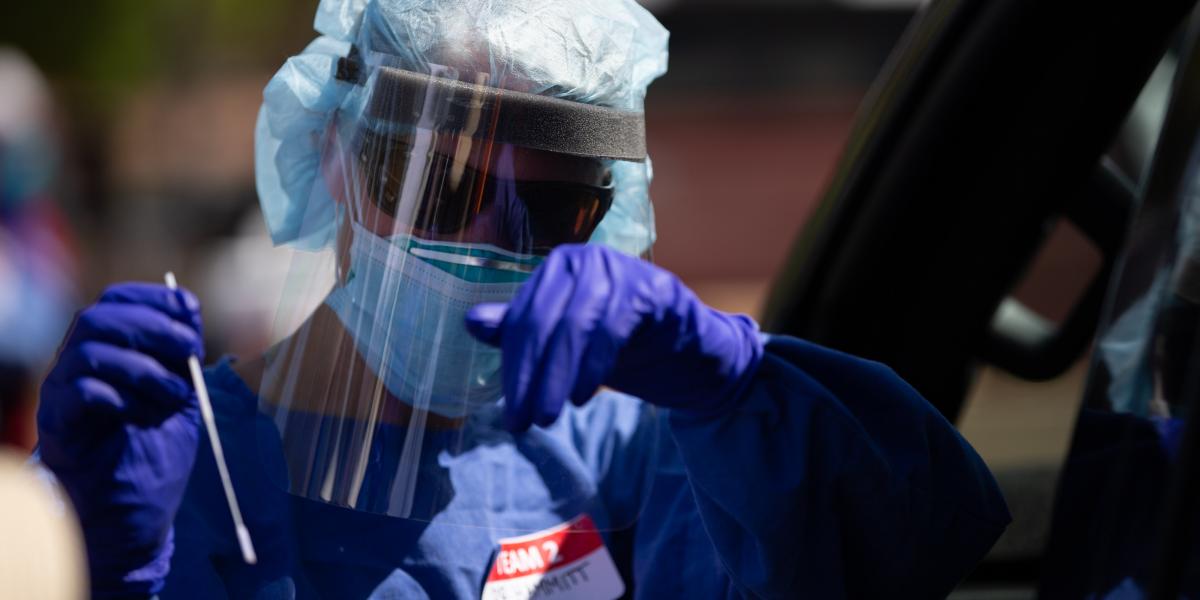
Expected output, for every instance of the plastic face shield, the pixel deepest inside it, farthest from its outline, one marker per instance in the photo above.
(449, 191)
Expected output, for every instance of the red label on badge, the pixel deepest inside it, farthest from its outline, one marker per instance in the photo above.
(567, 561)
(546, 550)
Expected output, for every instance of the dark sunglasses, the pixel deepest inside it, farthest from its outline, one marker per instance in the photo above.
(525, 216)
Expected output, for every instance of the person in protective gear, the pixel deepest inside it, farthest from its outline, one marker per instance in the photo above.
(480, 388)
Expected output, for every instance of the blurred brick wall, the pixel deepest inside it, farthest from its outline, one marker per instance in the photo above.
(734, 182)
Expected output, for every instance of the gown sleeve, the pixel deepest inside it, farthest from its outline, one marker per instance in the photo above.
(834, 478)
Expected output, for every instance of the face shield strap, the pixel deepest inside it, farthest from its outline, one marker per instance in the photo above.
(400, 98)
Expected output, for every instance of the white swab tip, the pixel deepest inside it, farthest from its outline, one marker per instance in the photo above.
(243, 536)
(170, 279)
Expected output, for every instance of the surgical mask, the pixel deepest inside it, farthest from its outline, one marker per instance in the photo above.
(404, 300)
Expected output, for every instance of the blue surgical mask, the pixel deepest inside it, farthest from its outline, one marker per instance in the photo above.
(404, 300)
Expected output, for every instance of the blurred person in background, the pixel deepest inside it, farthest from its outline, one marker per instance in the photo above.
(37, 264)
(466, 188)
(40, 550)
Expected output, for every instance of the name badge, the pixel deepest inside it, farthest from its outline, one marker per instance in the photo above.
(565, 562)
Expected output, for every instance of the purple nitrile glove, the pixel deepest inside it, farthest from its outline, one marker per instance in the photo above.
(591, 316)
(118, 424)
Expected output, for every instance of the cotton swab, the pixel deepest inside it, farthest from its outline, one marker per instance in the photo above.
(210, 423)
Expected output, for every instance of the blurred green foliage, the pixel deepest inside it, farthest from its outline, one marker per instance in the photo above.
(99, 50)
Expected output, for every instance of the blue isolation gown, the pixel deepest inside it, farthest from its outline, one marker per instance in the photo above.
(832, 478)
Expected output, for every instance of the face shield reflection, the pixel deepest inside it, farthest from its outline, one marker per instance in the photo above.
(448, 194)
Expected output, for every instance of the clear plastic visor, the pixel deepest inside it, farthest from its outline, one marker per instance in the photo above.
(381, 400)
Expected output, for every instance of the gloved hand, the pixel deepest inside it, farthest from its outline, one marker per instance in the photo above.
(591, 316)
(118, 424)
